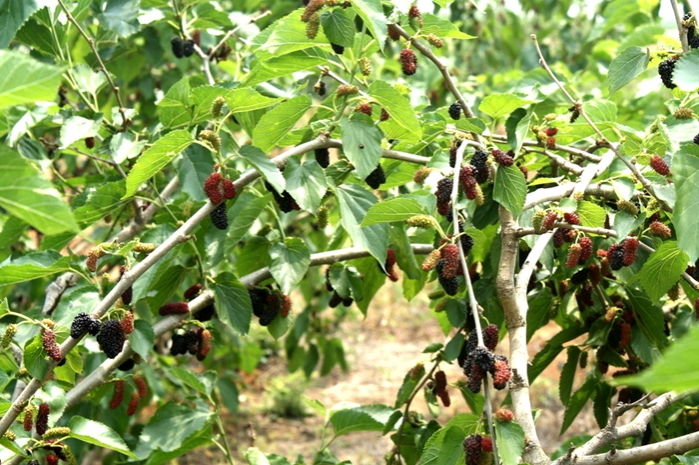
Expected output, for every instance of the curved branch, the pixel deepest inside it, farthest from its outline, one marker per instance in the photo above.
(641, 454)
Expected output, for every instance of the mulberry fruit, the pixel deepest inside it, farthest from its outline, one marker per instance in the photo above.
(450, 285)
(504, 415)
(217, 106)
(376, 177)
(696, 139)
(466, 243)
(384, 115)
(503, 158)
(312, 7)
(491, 335)
(286, 305)
(81, 324)
(338, 49)
(408, 62)
(133, 404)
(48, 340)
(229, 189)
(322, 157)
(335, 300)
(455, 110)
(320, 88)
(452, 155)
(501, 374)
(177, 47)
(585, 250)
(615, 255)
(472, 449)
(390, 265)
(548, 221)
(51, 459)
(444, 397)
(345, 90)
(420, 221)
(206, 313)
(440, 381)
(431, 260)
(487, 444)
(594, 274)
(628, 207)
(475, 380)
(191, 339)
(469, 183)
(559, 238)
(550, 132)
(571, 218)
(188, 47)
(665, 70)
(179, 344)
(659, 165)
(141, 385)
(479, 357)
(435, 40)
(421, 174)
(111, 338)
(312, 26)
(42, 419)
(127, 365)
(258, 298)
(480, 162)
(630, 247)
(8, 336)
(364, 66)
(204, 344)
(363, 108)
(127, 323)
(450, 259)
(625, 336)
(659, 229)
(393, 32)
(127, 295)
(118, 395)
(174, 308)
(219, 216)
(285, 201)
(573, 255)
(212, 187)
(192, 292)
(602, 366)
(28, 418)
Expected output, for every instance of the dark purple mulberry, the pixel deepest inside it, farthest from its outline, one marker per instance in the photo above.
(455, 110)
(665, 70)
(376, 177)
(219, 216)
(111, 338)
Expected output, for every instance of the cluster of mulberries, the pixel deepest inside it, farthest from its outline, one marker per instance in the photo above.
(84, 323)
(284, 200)
(473, 449)
(174, 308)
(376, 177)
(194, 341)
(48, 341)
(455, 110)
(182, 48)
(408, 62)
(504, 159)
(260, 297)
(479, 161)
(440, 388)
(127, 295)
(322, 156)
(443, 194)
(111, 338)
(390, 264)
(477, 361)
(659, 165)
(665, 70)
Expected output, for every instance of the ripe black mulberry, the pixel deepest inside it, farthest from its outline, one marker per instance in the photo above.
(376, 177)
(81, 324)
(111, 338)
(177, 47)
(455, 110)
(665, 70)
(450, 285)
(472, 449)
(322, 157)
(219, 216)
(338, 49)
(188, 47)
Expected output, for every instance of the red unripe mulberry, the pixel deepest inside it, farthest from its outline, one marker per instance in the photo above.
(174, 308)
(286, 305)
(48, 340)
(659, 229)
(204, 343)
(211, 187)
(118, 395)
(659, 165)
(51, 459)
(468, 181)
(551, 132)
(501, 374)
(127, 295)
(585, 250)
(504, 415)
(192, 292)
(571, 218)
(390, 265)
(502, 158)
(408, 62)
(127, 323)
(28, 418)
(363, 108)
(594, 274)
(440, 381)
(573, 255)
(625, 337)
(393, 32)
(487, 444)
(141, 385)
(42, 419)
(491, 335)
(450, 255)
(630, 247)
(133, 404)
(550, 218)
(229, 189)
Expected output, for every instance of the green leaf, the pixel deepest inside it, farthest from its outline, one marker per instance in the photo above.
(684, 217)
(254, 456)
(371, 13)
(32, 266)
(121, 16)
(175, 108)
(100, 202)
(407, 387)
(565, 385)
(443, 443)
(510, 188)
(290, 261)
(98, 434)
(649, 317)
(552, 348)
(355, 202)
(591, 214)
(510, 442)
(77, 128)
(201, 98)
(392, 210)
(244, 212)
(267, 169)
(142, 338)
(35, 358)
(285, 65)
(626, 67)
(471, 125)
(189, 379)
(338, 27)
(517, 126)
(156, 158)
(662, 270)
(362, 418)
(441, 27)
(28, 195)
(361, 141)
(685, 75)
(232, 302)
(159, 433)
(578, 401)
(398, 107)
(26, 80)
(497, 105)
(306, 183)
(247, 99)
(676, 370)
(276, 123)
(602, 402)
(12, 15)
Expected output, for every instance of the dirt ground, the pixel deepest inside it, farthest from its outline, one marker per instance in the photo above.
(379, 350)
